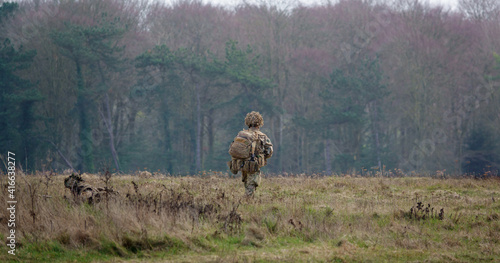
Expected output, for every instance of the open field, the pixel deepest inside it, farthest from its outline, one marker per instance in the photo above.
(291, 219)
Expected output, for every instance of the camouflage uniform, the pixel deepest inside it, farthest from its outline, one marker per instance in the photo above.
(79, 188)
(264, 151)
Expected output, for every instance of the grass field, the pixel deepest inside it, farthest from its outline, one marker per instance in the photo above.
(291, 219)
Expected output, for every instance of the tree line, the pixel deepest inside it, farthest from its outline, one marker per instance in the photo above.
(354, 86)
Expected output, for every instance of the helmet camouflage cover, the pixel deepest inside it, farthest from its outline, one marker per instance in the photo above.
(254, 119)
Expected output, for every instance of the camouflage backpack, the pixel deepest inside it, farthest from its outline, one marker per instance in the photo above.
(243, 151)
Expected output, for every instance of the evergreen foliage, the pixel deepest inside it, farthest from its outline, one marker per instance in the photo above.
(18, 98)
(351, 86)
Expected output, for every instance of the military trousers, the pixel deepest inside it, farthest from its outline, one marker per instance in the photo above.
(251, 182)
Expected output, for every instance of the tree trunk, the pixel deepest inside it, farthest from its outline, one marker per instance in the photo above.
(109, 128)
(29, 143)
(168, 144)
(86, 147)
(375, 130)
(303, 157)
(328, 163)
(109, 123)
(165, 114)
(198, 129)
(210, 132)
(63, 157)
(280, 146)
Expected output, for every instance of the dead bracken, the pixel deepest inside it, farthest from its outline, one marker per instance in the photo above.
(187, 216)
(421, 212)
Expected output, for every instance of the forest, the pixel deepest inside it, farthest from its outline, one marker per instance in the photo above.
(348, 86)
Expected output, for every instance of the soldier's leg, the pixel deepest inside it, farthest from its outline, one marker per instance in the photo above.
(245, 179)
(251, 183)
(244, 176)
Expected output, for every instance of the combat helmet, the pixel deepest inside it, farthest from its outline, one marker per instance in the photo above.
(254, 119)
(72, 181)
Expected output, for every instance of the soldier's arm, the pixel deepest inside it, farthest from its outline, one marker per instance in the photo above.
(268, 148)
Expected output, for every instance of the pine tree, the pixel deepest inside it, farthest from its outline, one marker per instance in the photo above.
(350, 110)
(91, 48)
(18, 98)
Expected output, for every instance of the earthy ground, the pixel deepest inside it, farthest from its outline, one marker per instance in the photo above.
(291, 219)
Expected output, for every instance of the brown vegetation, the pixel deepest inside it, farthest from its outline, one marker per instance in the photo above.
(322, 218)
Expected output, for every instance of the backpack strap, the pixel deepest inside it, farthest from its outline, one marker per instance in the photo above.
(254, 144)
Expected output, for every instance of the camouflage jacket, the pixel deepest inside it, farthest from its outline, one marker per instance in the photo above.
(79, 188)
(264, 145)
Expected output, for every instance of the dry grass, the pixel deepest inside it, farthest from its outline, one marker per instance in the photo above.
(206, 218)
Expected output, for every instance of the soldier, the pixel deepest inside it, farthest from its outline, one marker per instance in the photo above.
(79, 188)
(260, 148)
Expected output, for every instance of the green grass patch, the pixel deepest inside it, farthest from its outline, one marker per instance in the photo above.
(382, 220)
(53, 251)
(170, 245)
